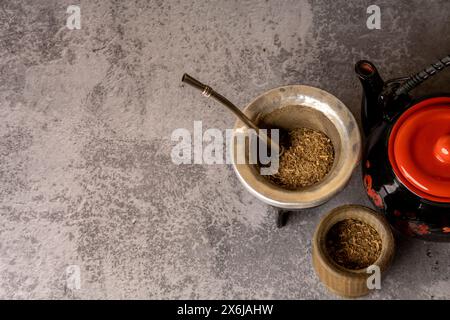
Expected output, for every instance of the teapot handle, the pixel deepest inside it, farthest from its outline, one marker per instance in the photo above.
(423, 75)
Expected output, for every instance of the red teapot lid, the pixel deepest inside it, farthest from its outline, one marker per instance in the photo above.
(419, 149)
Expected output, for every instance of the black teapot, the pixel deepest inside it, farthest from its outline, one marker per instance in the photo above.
(406, 160)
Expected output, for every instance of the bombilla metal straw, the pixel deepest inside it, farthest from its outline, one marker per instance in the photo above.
(207, 91)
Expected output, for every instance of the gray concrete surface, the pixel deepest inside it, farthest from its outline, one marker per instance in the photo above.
(86, 177)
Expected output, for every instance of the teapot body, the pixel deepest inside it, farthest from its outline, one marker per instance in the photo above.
(406, 158)
(409, 213)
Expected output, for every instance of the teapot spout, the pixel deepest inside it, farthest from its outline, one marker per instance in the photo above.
(372, 83)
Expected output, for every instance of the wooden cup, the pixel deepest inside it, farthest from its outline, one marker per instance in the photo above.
(342, 281)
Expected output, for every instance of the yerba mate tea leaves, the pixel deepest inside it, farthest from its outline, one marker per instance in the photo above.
(353, 244)
(306, 161)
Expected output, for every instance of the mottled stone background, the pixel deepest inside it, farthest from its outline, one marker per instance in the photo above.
(86, 176)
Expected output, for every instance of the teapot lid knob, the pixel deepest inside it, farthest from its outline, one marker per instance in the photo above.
(442, 149)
